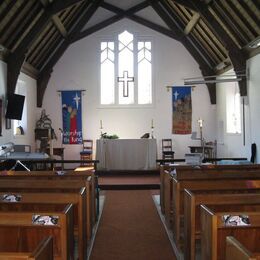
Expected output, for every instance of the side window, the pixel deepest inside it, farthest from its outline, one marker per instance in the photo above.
(233, 110)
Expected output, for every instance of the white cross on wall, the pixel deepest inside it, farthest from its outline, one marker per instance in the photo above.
(77, 99)
(176, 94)
(125, 79)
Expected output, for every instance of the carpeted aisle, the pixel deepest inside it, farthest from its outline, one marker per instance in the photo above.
(130, 228)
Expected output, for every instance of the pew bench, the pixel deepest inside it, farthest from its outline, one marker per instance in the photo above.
(188, 172)
(25, 228)
(77, 197)
(43, 251)
(68, 175)
(218, 222)
(52, 185)
(192, 202)
(235, 250)
(174, 218)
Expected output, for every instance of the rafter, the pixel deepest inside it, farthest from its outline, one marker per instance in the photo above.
(45, 73)
(204, 66)
(153, 26)
(97, 27)
(16, 59)
(130, 14)
(236, 56)
(184, 3)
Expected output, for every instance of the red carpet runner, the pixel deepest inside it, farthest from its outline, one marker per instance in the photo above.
(131, 229)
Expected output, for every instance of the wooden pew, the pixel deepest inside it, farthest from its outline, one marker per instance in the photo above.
(202, 181)
(68, 175)
(18, 230)
(192, 201)
(187, 172)
(53, 185)
(163, 183)
(214, 230)
(235, 250)
(43, 251)
(77, 197)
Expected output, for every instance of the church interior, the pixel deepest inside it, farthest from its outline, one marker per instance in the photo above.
(129, 129)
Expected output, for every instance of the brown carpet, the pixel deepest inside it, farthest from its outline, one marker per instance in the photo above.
(130, 229)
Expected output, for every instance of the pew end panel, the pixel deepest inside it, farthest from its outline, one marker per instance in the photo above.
(215, 230)
(212, 198)
(236, 250)
(44, 251)
(75, 196)
(19, 233)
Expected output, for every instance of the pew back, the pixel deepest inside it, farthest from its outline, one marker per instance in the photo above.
(77, 197)
(218, 222)
(23, 229)
(192, 201)
(44, 251)
(235, 250)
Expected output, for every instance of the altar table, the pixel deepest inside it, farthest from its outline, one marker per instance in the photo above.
(126, 154)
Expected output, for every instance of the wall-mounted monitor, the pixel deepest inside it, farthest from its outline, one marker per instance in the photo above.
(15, 106)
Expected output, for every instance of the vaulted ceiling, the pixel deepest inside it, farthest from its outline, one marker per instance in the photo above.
(219, 34)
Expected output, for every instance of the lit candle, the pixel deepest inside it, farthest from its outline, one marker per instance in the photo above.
(152, 124)
(101, 126)
(200, 122)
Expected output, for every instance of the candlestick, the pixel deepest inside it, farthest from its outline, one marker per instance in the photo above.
(200, 122)
(101, 126)
(152, 124)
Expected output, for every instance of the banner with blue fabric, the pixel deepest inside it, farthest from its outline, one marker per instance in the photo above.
(181, 110)
(71, 117)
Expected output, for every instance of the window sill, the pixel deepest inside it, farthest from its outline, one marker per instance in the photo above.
(126, 106)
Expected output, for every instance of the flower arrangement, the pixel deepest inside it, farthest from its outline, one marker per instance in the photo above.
(106, 136)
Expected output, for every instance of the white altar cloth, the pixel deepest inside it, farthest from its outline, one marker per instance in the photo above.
(126, 154)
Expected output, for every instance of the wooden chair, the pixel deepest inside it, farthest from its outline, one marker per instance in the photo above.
(86, 153)
(167, 152)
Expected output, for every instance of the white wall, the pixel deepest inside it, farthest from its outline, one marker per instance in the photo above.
(254, 98)
(30, 85)
(79, 69)
(233, 144)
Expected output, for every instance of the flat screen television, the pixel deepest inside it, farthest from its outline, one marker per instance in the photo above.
(15, 106)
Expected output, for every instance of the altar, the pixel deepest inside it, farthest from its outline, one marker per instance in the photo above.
(126, 154)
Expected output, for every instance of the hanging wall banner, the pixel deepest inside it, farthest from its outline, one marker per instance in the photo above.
(181, 110)
(71, 117)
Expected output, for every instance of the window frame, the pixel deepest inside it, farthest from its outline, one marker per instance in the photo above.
(137, 38)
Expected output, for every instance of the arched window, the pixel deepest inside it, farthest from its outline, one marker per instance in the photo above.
(126, 71)
(233, 110)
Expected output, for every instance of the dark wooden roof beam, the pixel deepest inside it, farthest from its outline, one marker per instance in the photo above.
(26, 22)
(237, 57)
(130, 11)
(12, 19)
(251, 14)
(97, 27)
(45, 73)
(153, 26)
(130, 14)
(246, 26)
(205, 68)
(184, 3)
(17, 58)
(7, 9)
(231, 23)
